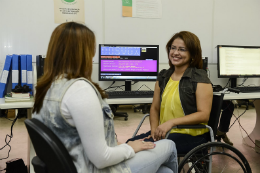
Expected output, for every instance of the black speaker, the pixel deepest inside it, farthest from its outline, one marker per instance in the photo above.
(40, 65)
(205, 63)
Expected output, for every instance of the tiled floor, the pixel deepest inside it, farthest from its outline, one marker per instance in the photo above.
(125, 130)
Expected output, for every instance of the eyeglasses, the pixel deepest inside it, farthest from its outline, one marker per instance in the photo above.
(173, 49)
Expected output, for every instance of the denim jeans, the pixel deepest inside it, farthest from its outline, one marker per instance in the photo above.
(184, 143)
(161, 159)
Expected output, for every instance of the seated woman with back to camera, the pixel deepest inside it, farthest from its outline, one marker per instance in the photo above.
(182, 96)
(73, 107)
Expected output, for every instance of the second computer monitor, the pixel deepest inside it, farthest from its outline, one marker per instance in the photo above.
(238, 62)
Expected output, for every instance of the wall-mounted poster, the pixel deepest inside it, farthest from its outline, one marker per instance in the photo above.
(69, 10)
(142, 8)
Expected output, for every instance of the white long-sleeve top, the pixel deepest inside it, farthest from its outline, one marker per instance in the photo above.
(81, 108)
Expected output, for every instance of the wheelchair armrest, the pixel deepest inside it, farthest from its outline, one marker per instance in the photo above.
(140, 124)
(195, 126)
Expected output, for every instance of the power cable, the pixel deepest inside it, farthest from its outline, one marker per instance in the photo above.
(10, 137)
(145, 86)
(110, 86)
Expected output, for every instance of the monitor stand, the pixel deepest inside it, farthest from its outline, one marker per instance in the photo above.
(128, 85)
(233, 82)
(115, 106)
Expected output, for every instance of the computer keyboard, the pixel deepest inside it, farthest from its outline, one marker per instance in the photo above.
(129, 94)
(249, 89)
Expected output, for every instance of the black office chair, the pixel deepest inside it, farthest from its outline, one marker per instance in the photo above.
(204, 164)
(245, 102)
(52, 156)
(145, 108)
(114, 107)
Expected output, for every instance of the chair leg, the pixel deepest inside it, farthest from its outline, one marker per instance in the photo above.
(118, 114)
(121, 114)
(247, 105)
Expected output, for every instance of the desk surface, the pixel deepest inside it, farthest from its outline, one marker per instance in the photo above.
(235, 96)
(228, 96)
(15, 105)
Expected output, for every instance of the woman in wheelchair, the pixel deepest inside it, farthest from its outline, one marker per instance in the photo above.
(182, 95)
(69, 103)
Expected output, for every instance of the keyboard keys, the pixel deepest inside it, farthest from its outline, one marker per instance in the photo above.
(249, 89)
(130, 94)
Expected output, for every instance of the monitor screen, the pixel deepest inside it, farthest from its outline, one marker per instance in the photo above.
(128, 62)
(238, 61)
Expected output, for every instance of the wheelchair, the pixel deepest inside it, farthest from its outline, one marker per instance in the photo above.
(214, 157)
(211, 157)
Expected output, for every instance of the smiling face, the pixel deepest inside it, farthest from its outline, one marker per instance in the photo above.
(178, 54)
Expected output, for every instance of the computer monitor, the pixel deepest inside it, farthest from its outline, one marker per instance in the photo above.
(121, 62)
(238, 62)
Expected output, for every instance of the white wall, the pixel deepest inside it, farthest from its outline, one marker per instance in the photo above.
(26, 26)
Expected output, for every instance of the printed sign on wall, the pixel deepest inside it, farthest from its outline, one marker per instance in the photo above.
(69, 10)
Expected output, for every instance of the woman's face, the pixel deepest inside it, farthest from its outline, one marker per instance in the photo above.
(179, 55)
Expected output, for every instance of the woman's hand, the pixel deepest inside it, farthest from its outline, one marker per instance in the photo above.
(140, 145)
(151, 135)
(148, 137)
(162, 130)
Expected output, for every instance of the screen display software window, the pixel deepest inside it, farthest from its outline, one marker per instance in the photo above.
(128, 62)
(239, 61)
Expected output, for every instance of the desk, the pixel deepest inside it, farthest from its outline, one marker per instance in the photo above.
(228, 96)
(126, 101)
(255, 134)
(29, 106)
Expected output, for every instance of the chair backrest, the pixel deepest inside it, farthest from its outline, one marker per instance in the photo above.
(49, 148)
(215, 112)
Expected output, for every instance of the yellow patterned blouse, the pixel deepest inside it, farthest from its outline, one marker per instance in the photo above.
(171, 108)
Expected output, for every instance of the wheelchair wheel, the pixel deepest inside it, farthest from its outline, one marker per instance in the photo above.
(214, 157)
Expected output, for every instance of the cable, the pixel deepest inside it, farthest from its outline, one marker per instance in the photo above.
(227, 83)
(110, 85)
(146, 87)
(244, 80)
(240, 126)
(10, 137)
(227, 107)
(122, 86)
(9, 119)
(247, 135)
(237, 119)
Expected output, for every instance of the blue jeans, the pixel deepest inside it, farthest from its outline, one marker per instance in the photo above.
(161, 159)
(184, 143)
